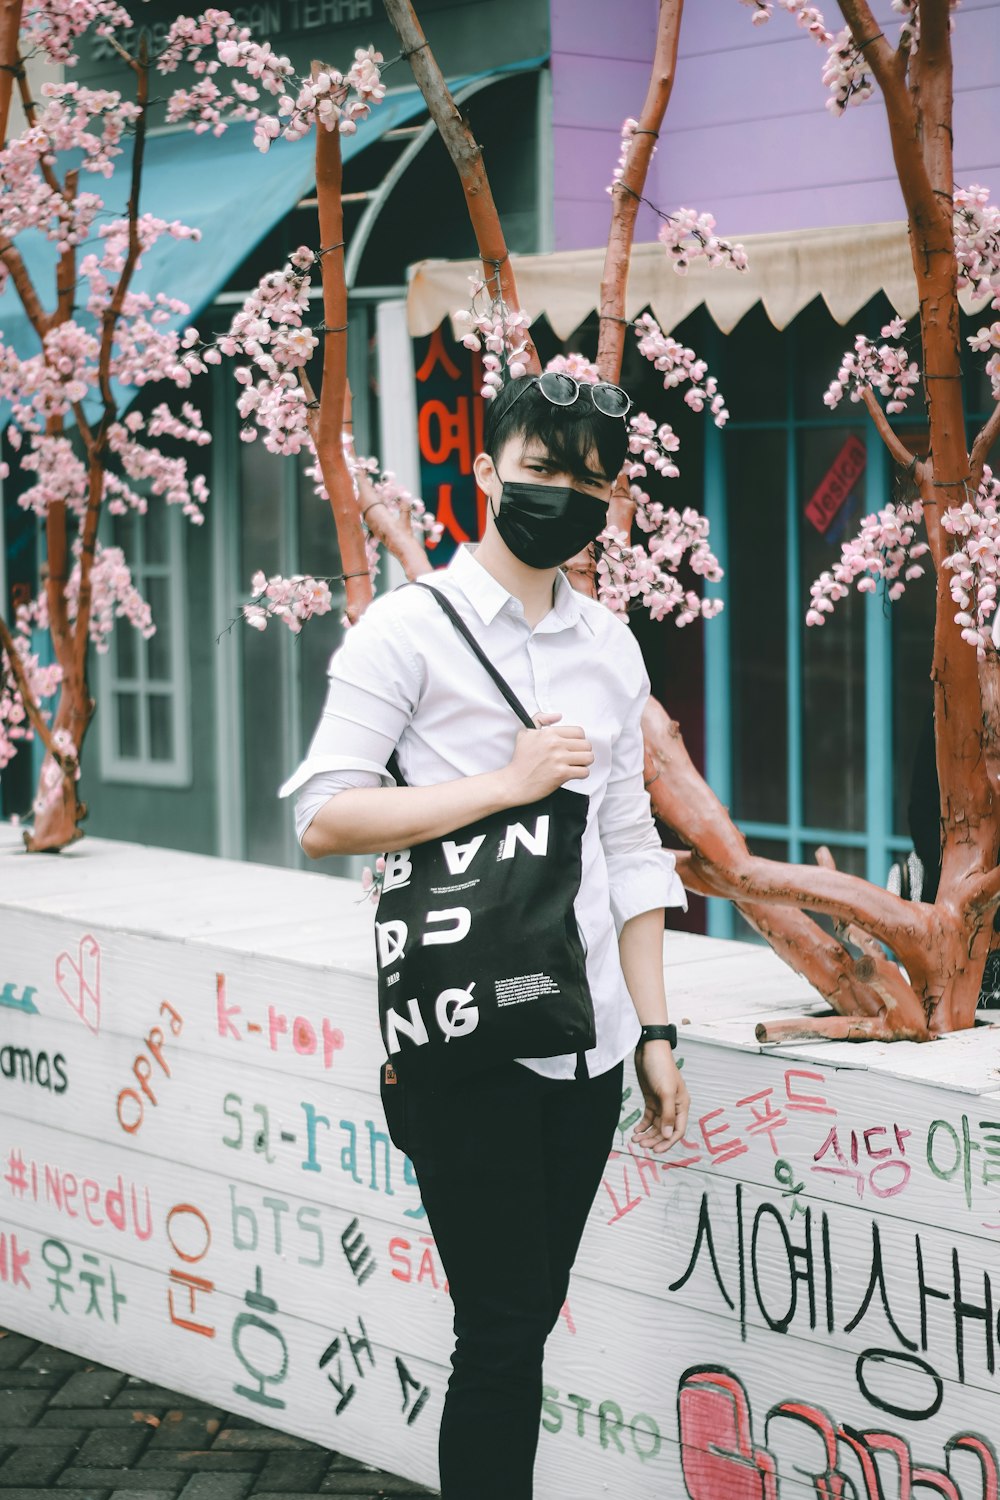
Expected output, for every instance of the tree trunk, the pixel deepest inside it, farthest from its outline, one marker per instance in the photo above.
(10, 58)
(59, 824)
(467, 156)
(627, 193)
(329, 438)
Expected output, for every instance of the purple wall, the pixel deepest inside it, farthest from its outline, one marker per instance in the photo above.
(747, 136)
(601, 52)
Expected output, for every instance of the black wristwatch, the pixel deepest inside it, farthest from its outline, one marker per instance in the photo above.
(657, 1034)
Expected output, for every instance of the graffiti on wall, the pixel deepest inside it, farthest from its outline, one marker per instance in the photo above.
(225, 1166)
(722, 1460)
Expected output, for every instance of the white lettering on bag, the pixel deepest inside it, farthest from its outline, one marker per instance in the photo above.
(464, 1016)
(458, 857)
(535, 843)
(462, 918)
(391, 939)
(414, 1028)
(397, 870)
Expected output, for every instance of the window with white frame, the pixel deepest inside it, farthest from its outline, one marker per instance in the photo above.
(145, 719)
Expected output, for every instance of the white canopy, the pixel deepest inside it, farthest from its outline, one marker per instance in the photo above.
(846, 266)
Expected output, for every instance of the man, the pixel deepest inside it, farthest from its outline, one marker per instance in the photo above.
(509, 1161)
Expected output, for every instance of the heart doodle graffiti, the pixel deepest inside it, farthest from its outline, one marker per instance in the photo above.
(78, 980)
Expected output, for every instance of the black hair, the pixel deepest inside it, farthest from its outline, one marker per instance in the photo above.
(569, 434)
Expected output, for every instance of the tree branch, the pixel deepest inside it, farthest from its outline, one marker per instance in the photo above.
(984, 897)
(467, 156)
(920, 127)
(109, 317)
(831, 893)
(66, 271)
(721, 864)
(895, 445)
(985, 438)
(840, 1029)
(88, 549)
(329, 442)
(798, 940)
(801, 943)
(109, 320)
(31, 705)
(934, 61)
(31, 114)
(395, 535)
(903, 126)
(10, 60)
(30, 301)
(627, 192)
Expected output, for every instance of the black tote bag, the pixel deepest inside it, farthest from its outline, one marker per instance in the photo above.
(480, 958)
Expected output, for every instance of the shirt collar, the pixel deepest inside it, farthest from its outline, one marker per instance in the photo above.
(488, 596)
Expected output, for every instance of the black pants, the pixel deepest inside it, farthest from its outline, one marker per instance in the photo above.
(508, 1165)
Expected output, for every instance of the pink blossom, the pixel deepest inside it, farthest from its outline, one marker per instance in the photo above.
(679, 365)
(629, 128)
(501, 330)
(885, 368)
(690, 236)
(577, 365)
(290, 600)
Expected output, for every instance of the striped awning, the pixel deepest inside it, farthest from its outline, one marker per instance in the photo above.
(846, 266)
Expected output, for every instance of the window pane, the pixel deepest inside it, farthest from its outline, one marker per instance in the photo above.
(160, 708)
(833, 655)
(265, 767)
(158, 648)
(123, 535)
(752, 372)
(267, 762)
(820, 344)
(849, 860)
(755, 470)
(769, 848)
(125, 652)
(127, 705)
(156, 536)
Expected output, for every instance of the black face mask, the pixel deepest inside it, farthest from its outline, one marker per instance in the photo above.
(546, 524)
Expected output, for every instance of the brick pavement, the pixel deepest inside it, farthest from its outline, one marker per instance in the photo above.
(69, 1428)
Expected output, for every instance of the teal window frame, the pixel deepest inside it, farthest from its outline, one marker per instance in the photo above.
(142, 769)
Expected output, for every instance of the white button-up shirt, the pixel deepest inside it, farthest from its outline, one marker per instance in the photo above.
(403, 679)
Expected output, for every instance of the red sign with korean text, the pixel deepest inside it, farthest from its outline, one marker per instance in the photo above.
(837, 484)
(450, 432)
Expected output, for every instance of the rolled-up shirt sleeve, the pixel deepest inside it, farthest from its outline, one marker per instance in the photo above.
(323, 785)
(374, 685)
(642, 875)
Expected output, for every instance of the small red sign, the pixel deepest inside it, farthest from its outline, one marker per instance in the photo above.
(837, 484)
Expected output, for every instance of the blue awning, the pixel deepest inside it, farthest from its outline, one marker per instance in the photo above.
(221, 185)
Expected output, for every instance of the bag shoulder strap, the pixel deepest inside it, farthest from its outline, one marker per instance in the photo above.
(474, 646)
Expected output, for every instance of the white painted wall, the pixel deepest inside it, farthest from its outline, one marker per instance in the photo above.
(203, 1141)
(398, 448)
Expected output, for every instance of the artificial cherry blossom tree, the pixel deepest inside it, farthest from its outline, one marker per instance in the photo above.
(102, 339)
(952, 520)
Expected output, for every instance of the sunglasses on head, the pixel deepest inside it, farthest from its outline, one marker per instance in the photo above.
(563, 390)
